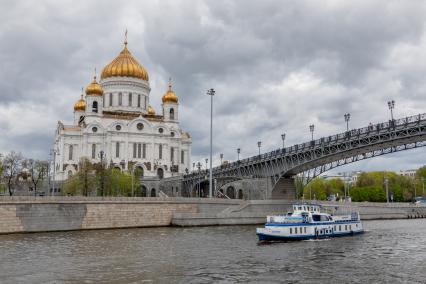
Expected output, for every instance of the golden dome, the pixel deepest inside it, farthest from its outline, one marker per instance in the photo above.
(170, 96)
(151, 110)
(125, 65)
(80, 105)
(94, 88)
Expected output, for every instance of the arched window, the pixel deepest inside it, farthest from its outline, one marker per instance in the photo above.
(130, 99)
(139, 100)
(120, 99)
(160, 151)
(70, 154)
(117, 149)
(110, 99)
(138, 172)
(160, 173)
(95, 106)
(143, 191)
(230, 191)
(93, 151)
(240, 194)
(153, 193)
(172, 114)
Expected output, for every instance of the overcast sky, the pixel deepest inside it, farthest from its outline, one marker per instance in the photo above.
(276, 66)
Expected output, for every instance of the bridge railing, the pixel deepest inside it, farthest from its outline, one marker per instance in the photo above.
(389, 125)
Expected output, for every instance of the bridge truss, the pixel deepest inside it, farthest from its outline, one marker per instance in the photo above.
(315, 157)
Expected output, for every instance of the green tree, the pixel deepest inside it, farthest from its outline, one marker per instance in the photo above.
(37, 170)
(84, 182)
(316, 189)
(119, 183)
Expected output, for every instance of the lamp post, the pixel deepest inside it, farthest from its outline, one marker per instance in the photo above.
(347, 117)
(283, 138)
(259, 144)
(221, 158)
(211, 93)
(391, 105)
(102, 156)
(133, 177)
(312, 128)
(387, 188)
(238, 152)
(55, 152)
(199, 170)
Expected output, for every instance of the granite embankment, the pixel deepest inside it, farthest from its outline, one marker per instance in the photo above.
(41, 214)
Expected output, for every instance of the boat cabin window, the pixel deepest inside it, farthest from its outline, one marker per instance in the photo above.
(295, 230)
(291, 231)
(340, 227)
(316, 218)
(304, 229)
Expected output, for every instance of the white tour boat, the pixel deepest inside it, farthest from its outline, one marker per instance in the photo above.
(308, 222)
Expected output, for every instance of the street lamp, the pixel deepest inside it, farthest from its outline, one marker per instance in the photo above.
(283, 138)
(238, 152)
(211, 93)
(133, 186)
(221, 158)
(347, 117)
(198, 185)
(259, 144)
(207, 160)
(312, 128)
(55, 152)
(387, 188)
(102, 156)
(391, 105)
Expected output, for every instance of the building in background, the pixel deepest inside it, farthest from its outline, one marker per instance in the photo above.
(114, 121)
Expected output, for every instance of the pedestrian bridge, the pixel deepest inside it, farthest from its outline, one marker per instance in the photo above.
(315, 157)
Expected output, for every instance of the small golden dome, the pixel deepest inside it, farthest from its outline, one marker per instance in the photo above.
(125, 65)
(80, 105)
(151, 110)
(170, 96)
(94, 88)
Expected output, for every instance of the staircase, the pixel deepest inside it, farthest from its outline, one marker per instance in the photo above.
(284, 189)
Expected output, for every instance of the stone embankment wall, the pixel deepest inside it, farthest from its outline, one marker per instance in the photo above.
(255, 212)
(41, 214)
(30, 214)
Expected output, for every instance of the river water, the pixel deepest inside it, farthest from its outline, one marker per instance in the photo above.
(389, 252)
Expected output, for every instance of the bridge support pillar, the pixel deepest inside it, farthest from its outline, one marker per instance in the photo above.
(284, 189)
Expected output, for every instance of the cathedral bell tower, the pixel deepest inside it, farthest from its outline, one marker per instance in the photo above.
(94, 98)
(79, 110)
(170, 104)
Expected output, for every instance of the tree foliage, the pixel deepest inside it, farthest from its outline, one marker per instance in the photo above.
(12, 166)
(90, 178)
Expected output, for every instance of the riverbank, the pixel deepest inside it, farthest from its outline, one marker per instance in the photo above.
(45, 214)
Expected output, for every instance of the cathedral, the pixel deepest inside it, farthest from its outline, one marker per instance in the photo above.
(114, 122)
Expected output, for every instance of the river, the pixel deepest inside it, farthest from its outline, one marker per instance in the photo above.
(389, 252)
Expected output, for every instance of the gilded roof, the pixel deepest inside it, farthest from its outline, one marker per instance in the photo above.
(125, 65)
(170, 95)
(94, 88)
(80, 105)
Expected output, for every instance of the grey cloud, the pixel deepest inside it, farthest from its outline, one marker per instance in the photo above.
(277, 66)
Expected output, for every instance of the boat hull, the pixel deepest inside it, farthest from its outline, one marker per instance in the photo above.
(276, 238)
